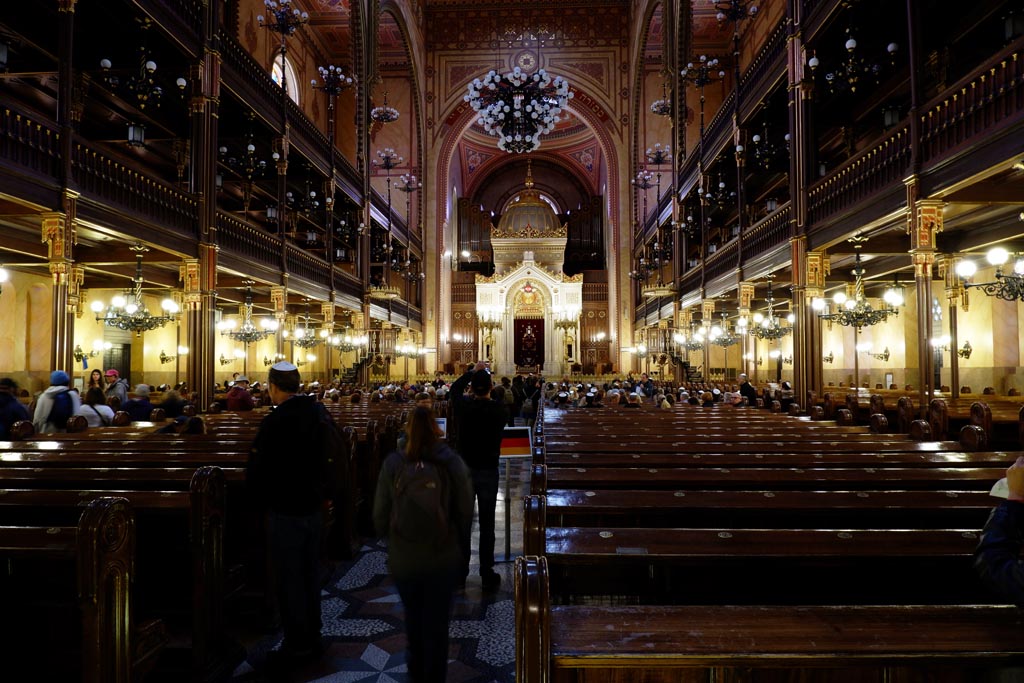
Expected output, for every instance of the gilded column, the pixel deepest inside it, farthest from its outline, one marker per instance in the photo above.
(327, 311)
(707, 312)
(199, 287)
(59, 234)
(956, 294)
(924, 223)
(809, 270)
(279, 302)
(748, 341)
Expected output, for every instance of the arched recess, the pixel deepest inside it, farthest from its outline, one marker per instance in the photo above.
(611, 188)
(497, 183)
(407, 140)
(651, 129)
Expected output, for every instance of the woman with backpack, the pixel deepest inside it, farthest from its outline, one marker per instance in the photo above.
(423, 506)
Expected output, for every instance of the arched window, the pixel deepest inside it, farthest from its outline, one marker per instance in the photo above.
(291, 83)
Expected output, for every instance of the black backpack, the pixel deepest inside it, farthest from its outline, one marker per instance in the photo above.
(60, 412)
(331, 444)
(419, 511)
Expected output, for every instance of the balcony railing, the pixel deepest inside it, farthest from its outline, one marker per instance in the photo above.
(757, 79)
(115, 183)
(29, 144)
(253, 243)
(304, 265)
(769, 232)
(861, 176)
(988, 98)
(721, 262)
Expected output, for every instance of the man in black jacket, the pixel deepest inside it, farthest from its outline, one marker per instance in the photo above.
(748, 391)
(481, 424)
(285, 477)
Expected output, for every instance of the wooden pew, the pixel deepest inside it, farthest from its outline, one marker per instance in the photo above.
(658, 644)
(196, 516)
(112, 645)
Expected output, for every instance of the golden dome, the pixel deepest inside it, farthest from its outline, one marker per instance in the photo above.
(528, 215)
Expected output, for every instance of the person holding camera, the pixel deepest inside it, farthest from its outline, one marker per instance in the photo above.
(481, 426)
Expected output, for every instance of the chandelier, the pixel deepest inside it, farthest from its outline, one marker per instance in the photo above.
(128, 312)
(248, 332)
(695, 341)
(853, 69)
(142, 81)
(858, 312)
(348, 342)
(304, 337)
(663, 106)
(384, 114)
(769, 327)
(1008, 287)
(723, 336)
(518, 107)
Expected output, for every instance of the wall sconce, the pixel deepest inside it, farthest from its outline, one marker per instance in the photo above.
(224, 361)
(164, 358)
(966, 350)
(136, 135)
(829, 358)
(940, 343)
(760, 361)
(81, 355)
(278, 357)
(787, 360)
(883, 356)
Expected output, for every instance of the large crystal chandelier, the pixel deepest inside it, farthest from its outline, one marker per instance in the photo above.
(518, 107)
(304, 336)
(248, 332)
(770, 326)
(128, 312)
(857, 311)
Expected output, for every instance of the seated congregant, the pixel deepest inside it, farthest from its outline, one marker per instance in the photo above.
(139, 408)
(238, 397)
(95, 409)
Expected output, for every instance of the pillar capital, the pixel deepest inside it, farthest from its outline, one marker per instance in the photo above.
(279, 300)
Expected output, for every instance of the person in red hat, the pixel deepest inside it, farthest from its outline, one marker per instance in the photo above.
(116, 387)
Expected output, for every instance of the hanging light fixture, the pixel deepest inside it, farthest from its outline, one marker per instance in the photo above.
(384, 114)
(304, 337)
(723, 335)
(128, 312)
(663, 106)
(248, 332)
(518, 107)
(858, 312)
(769, 327)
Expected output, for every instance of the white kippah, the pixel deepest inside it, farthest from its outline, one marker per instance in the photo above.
(283, 366)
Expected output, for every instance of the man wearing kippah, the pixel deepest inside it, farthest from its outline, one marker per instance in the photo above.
(286, 477)
(481, 425)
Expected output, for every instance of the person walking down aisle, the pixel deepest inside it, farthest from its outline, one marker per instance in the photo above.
(286, 477)
(424, 508)
(55, 405)
(481, 425)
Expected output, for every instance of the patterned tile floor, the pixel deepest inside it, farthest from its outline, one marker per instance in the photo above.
(362, 617)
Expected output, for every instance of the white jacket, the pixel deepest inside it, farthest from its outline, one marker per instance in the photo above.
(44, 404)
